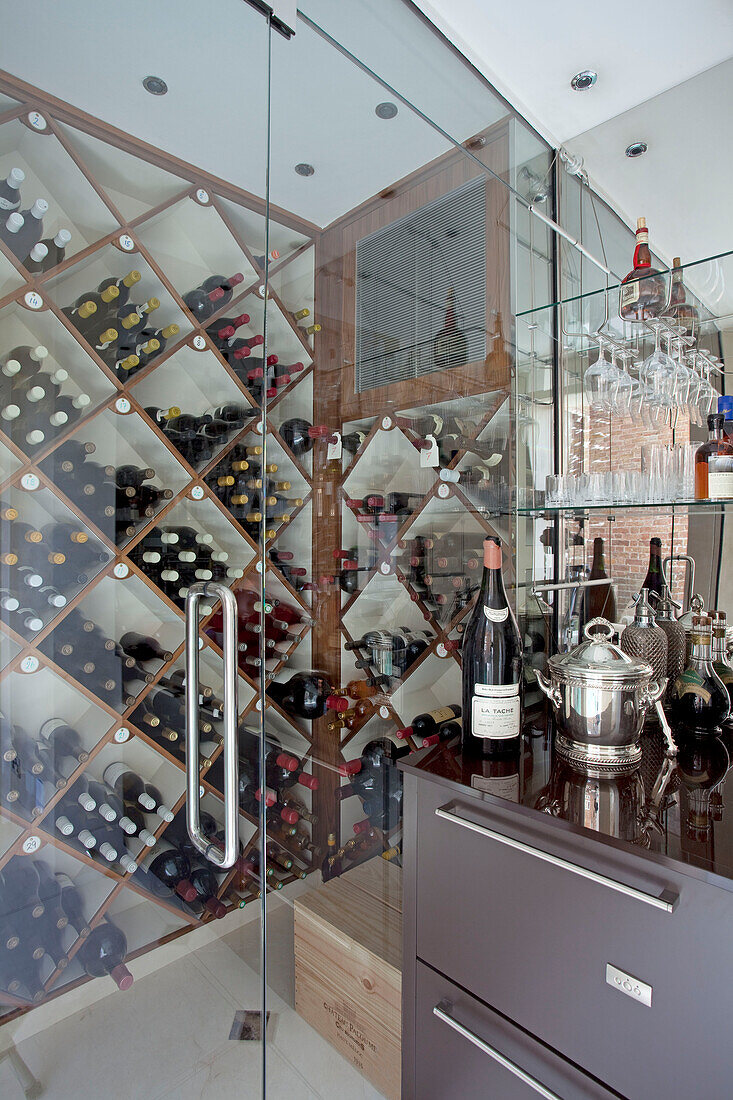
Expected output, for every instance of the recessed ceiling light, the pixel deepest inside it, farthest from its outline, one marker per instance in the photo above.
(583, 80)
(155, 85)
(304, 169)
(385, 110)
(636, 149)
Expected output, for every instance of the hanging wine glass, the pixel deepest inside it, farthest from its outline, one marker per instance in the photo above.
(624, 386)
(596, 380)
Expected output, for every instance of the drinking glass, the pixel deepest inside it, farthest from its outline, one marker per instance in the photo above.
(596, 380)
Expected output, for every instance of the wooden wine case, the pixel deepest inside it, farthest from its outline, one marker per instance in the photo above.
(179, 226)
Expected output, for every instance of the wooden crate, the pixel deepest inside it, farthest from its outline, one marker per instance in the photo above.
(348, 968)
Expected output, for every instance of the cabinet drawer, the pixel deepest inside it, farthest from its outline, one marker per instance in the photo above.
(465, 1050)
(534, 939)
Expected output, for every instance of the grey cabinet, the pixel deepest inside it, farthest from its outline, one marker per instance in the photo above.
(533, 939)
(471, 1052)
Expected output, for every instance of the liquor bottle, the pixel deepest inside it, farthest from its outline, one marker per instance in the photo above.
(643, 292)
(104, 952)
(450, 347)
(71, 903)
(654, 579)
(331, 866)
(599, 599)
(10, 191)
(54, 255)
(721, 664)
(492, 667)
(698, 703)
(714, 463)
(679, 308)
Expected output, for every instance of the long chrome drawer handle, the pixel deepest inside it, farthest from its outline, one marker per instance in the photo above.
(666, 901)
(492, 1052)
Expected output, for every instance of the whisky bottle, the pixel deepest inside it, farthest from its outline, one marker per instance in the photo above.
(699, 701)
(714, 463)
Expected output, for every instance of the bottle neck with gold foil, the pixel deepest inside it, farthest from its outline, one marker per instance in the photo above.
(701, 640)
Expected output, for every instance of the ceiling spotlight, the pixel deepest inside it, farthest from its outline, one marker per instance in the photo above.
(584, 80)
(304, 169)
(636, 149)
(155, 85)
(385, 110)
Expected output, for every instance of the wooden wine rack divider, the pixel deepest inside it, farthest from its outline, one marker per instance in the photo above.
(324, 748)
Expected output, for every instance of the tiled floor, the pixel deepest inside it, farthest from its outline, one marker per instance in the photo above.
(167, 1036)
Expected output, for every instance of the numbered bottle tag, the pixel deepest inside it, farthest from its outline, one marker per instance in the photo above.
(385, 568)
(30, 482)
(33, 300)
(201, 643)
(121, 735)
(197, 492)
(30, 664)
(202, 792)
(199, 342)
(121, 571)
(429, 456)
(441, 650)
(258, 704)
(335, 450)
(123, 406)
(443, 491)
(37, 120)
(32, 844)
(387, 423)
(258, 566)
(384, 712)
(126, 242)
(202, 196)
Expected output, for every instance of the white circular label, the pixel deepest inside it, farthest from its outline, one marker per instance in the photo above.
(122, 735)
(197, 492)
(121, 571)
(386, 423)
(199, 342)
(33, 300)
(29, 664)
(261, 290)
(258, 704)
(384, 712)
(201, 643)
(126, 242)
(31, 844)
(122, 405)
(385, 568)
(30, 482)
(201, 195)
(443, 490)
(441, 650)
(37, 121)
(202, 792)
(258, 566)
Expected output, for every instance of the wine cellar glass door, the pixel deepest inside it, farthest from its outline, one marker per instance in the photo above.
(133, 245)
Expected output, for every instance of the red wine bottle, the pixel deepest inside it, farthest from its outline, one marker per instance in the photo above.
(71, 903)
(104, 951)
(492, 667)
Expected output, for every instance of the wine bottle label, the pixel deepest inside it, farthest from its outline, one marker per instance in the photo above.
(629, 293)
(495, 711)
(503, 786)
(720, 484)
(496, 615)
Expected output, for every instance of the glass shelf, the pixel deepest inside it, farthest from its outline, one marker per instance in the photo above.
(693, 507)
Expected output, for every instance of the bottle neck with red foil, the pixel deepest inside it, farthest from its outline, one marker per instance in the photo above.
(493, 593)
(642, 255)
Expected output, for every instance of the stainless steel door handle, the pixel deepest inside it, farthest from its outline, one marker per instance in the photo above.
(537, 1086)
(666, 901)
(206, 846)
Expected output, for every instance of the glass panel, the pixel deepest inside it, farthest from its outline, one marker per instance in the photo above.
(127, 419)
(403, 436)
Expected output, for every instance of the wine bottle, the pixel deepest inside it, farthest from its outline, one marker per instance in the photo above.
(721, 664)
(172, 868)
(63, 740)
(144, 648)
(10, 191)
(213, 294)
(492, 667)
(10, 227)
(71, 903)
(22, 242)
(331, 866)
(104, 952)
(54, 255)
(654, 580)
(430, 722)
(599, 599)
(20, 888)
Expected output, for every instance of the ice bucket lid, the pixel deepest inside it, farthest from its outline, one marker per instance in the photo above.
(598, 658)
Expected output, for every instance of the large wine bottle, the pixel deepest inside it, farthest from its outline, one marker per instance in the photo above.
(492, 667)
(104, 951)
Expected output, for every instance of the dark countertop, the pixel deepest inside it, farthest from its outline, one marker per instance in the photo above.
(692, 823)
